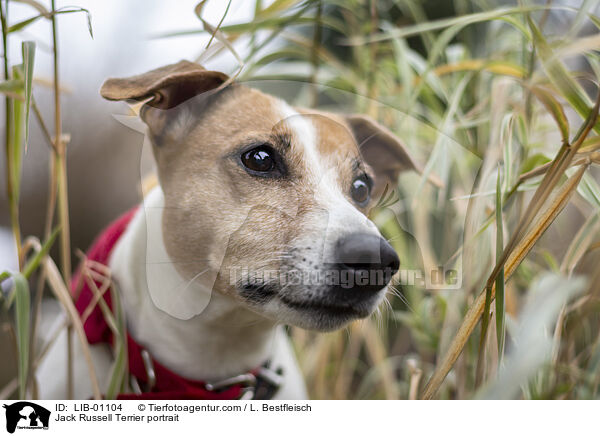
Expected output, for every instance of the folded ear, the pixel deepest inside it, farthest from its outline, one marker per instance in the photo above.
(382, 150)
(167, 86)
(165, 89)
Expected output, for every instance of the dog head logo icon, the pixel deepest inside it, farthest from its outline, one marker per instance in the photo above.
(26, 415)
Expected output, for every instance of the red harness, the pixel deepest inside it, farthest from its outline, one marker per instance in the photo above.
(162, 383)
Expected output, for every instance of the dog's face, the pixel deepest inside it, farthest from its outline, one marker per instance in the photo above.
(273, 198)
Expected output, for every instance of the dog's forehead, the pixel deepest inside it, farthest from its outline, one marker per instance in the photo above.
(317, 136)
(323, 134)
(322, 141)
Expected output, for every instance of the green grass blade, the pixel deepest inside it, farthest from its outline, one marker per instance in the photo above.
(12, 86)
(500, 307)
(590, 190)
(28, 48)
(22, 24)
(120, 365)
(580, 19)
(279, 6)
(555, 109)
(4, 275)
(560, 77)
(534, 161)
(594, 19)
(66, 10)
(33, 264)
(73, 9)
(15, 151)
(22, 312)
(485, 323)
(506, 138)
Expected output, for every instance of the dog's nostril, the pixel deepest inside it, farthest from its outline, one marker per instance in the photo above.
(364, 252)
(366, 257)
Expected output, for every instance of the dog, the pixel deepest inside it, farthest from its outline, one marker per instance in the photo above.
(259, 221)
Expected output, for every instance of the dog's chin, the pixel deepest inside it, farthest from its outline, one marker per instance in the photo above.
(321, 317)
(300, 307)
(318, 315)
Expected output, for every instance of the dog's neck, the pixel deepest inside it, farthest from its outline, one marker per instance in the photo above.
(224, 339)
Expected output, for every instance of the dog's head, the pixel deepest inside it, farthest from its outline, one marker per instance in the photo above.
(272, 197)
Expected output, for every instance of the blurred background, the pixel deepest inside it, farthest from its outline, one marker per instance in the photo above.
(484, 93)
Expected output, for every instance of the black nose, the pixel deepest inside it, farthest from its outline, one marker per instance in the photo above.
(368, 262)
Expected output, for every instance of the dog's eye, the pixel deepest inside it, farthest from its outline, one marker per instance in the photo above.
(360, 190)
(260, 159)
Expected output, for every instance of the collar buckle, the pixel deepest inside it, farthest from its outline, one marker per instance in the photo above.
(261, 384)
(248, 380)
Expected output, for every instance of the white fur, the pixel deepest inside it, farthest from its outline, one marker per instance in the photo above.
(224, 340)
